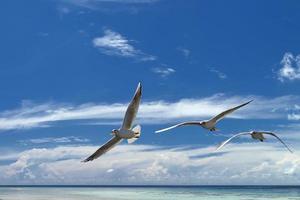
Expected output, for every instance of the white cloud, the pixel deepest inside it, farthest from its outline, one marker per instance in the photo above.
(105, 6)
(290, 67)
(63, 10)
(87, 2)
(163, 71)
(114, 44)
(110, 5)
(294, 116)
(69, 139)
(185, 52)
(127, 1)
(146, 164)
(151, 112)
(220, 74)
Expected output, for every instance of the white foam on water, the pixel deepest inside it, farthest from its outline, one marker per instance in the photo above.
(142, 193)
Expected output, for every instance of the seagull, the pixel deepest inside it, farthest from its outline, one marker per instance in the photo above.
(125, 132)
(256, 135)
(208, 124)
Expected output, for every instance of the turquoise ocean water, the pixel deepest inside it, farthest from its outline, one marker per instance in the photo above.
(150, 193)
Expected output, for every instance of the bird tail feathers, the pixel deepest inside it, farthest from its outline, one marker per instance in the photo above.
(137, 130)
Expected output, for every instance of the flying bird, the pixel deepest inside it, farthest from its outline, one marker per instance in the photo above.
(257, 135)
(125, 132)
(207, 124)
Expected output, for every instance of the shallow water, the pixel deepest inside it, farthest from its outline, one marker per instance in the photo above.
(149, 193)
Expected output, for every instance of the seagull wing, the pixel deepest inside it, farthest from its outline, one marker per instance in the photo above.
(223, 114)
(177, 125)
(273, 134)
(226, 141)
(132, 108)
(105, 148)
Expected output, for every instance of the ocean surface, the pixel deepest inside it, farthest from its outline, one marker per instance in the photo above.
(151, 193)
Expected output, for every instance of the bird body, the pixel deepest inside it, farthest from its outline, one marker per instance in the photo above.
(125, 133)
(257, 135)
(210, 125)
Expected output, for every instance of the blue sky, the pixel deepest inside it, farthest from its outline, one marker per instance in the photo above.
(69, 68)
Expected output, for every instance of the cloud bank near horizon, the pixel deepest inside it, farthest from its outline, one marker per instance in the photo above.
(149, 164)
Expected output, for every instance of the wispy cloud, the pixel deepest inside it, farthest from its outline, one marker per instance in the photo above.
(294, 116)
(184, 51)
(220, 74)
(63, 10)
(87, 2)
(105, 6)
(151, 112)
(148, 164)
(110, 5)
(114, 44)
(70, 139)
(290, 67)
(163, 71)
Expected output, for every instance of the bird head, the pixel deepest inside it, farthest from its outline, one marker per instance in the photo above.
(114, 132)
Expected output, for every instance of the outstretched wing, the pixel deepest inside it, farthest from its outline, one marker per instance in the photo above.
(226, 141)
(132, 108)
(223, 114)
(105, 148)
(273, 134)
(177, 125)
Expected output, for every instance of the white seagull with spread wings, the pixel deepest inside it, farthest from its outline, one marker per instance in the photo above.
(257, 135)
(208, 124)
(125, 132)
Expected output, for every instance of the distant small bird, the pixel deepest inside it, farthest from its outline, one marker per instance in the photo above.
(125, 132)
(257, 135)
(208, 124)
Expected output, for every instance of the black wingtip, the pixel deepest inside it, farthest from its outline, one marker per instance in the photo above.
(250, 101)
(86, 160)
(247, 102)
